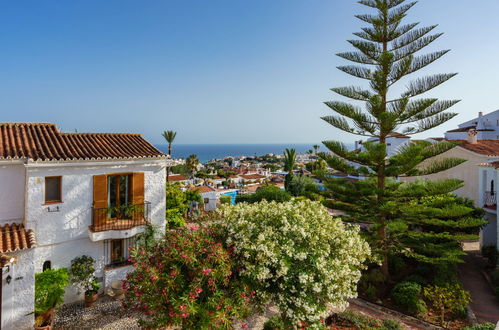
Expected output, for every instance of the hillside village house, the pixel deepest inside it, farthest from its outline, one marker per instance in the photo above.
(63, 195)
(487, 127)
(479, 182)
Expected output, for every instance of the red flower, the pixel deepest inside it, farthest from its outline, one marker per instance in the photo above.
(244, 326)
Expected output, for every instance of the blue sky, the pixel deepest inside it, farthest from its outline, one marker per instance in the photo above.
(218, 71)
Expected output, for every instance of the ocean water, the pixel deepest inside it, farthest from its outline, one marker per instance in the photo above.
(206, 152)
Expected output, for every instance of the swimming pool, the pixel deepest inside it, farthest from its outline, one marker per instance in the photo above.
(232, 195)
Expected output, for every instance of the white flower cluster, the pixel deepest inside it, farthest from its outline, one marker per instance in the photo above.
(297, 255)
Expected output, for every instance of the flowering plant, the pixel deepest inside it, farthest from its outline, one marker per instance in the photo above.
(297, 255)
(189, 279)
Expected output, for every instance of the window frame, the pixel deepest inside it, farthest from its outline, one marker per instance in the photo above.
(59, 178)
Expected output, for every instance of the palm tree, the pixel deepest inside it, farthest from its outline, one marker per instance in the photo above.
(289, 165)
(316, 148)
(169, 137)
(192, 163)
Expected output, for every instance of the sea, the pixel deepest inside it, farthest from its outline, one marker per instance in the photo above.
(206, 152)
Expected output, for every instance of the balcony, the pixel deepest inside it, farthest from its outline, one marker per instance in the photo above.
(119, 222)
(490, 200)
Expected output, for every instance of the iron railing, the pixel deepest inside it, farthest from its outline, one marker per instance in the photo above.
(490, 199)
(120, 218)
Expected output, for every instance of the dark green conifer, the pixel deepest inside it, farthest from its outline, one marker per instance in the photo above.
(385, 53)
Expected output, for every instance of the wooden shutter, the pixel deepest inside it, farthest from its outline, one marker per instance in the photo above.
(100, 191)
(138, 188)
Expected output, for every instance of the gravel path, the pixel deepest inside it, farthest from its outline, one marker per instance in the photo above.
(106, 314)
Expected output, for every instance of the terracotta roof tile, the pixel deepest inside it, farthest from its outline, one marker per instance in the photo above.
(252, 176)
(202, 189)
(41, 141)
(14, 237)
(484, 147)
(178, 177)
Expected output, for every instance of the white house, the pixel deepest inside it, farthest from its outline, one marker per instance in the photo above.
(209, 196)
(393, 142)
(487, 127)
(63, 195)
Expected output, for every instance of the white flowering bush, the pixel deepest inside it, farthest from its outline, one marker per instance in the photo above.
(296, 255)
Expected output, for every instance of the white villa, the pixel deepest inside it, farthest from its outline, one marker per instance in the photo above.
(487, 127)
(393, 142)
(59, 199)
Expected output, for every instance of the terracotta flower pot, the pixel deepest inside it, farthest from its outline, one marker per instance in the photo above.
(47, 317)
(90, 298)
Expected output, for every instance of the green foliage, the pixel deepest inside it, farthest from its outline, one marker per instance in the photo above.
(492, 255)
(81, 273)
(318, 165)
(174, 218)
(448, 299)
(415, 278)
(483, 326)
(225, 199)
(300, 184)
(193, 196)
(176, 206)
(289, 166)
(175, 198)
(49, 290)
(385, 54)
(407, 295)
(362, 322)
(268, 193)
(187, 280)
(180, 169)
(274, 323)
(191, 163)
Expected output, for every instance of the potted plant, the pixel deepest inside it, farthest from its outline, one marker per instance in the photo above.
(49, 293)
(81, 275)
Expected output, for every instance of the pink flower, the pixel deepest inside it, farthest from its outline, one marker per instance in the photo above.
(153, 277)
(244, 326)
(142, 252)
(184, 315)
(207, 271)
(199, 290)
(183, 256)
(172, 314)
(182, 307)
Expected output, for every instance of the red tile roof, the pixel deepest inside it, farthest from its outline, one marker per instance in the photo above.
(41, 141)
(484, 147)
(252, 176)
(14, 237)
(177, 177)
(202, 189)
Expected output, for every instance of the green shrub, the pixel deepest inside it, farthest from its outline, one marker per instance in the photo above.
(416, 279)
(371, 292)
(490, 252)
(274, 323)
(445, 275)
(362, 322)
(448, 299)
(484, 326)
(397, 265)
(225, 199)
(174, 218)
(406, 295)
(246, 198)
(49, 292)
(391, 325)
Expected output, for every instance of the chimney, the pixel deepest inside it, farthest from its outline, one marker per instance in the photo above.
(472, 138)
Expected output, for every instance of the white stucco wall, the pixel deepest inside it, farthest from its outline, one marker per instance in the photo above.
(64, 235)
(212, 197)
(75, 212)
(19, 295)
(467, 171)
(12, 187)
(115, 274)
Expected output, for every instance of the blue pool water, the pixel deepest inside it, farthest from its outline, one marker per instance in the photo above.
(232, 195)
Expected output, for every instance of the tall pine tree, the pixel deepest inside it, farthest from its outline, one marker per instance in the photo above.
(384, 55)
